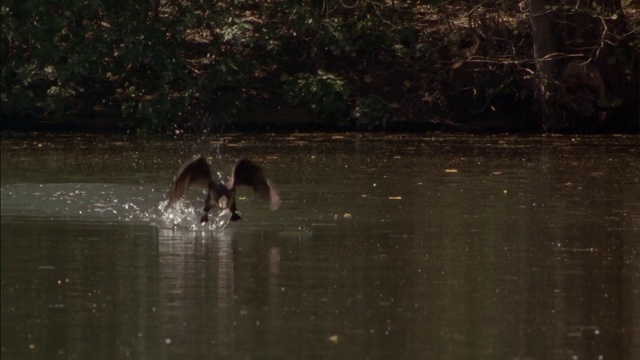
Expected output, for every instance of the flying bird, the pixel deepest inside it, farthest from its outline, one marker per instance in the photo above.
(198, 173)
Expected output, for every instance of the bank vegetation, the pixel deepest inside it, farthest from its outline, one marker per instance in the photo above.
(179, 65)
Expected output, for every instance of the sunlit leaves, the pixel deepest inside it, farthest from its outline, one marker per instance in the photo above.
(370, 112)
(325, 94)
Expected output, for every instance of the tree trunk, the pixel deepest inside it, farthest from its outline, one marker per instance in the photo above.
(593, 85)
(543, 48)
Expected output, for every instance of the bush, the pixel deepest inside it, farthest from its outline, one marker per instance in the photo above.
(325, 94)
(371, 112)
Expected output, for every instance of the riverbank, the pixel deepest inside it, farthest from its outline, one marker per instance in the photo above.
(283, 122)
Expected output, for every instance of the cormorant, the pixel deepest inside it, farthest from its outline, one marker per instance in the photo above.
(246, 172)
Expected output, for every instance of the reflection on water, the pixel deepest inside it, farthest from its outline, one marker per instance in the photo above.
(197, 292)
(404, 247)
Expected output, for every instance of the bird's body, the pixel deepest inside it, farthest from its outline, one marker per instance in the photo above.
(198, 173)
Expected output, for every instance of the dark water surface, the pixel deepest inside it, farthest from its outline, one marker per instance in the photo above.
(439, 247)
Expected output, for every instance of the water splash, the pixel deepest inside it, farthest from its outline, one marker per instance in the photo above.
(105, 203)
(183, 215)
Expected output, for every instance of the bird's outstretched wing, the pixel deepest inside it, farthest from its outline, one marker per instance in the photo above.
(193, 173)
(248, 173)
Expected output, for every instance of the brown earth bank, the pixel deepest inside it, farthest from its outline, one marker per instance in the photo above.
(280, 121)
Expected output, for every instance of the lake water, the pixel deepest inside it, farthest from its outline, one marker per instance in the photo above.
(404, 247)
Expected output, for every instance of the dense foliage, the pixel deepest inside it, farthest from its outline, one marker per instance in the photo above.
(166, 64)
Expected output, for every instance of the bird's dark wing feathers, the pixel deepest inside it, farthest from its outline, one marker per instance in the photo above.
(248, 173)
(194, 173)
